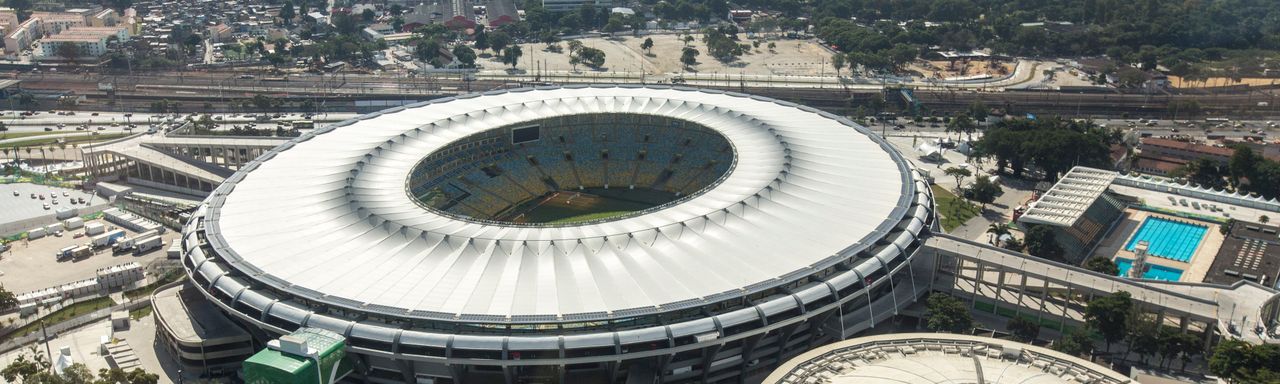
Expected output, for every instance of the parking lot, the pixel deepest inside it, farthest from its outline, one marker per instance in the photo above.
(30, 264)
(19, 211)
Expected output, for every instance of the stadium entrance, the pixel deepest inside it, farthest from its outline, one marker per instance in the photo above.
(572, 169)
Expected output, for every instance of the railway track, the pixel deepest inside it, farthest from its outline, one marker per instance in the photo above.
(217, 88)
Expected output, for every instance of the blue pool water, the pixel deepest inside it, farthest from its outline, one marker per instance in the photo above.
(1169, 239)
(1154, 272)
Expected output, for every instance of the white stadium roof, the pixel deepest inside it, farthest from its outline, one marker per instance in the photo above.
(328, 216)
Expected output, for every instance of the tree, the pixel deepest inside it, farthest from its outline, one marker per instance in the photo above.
(1188, 347)
(481, 40)
(368, 15)
(647, 45)
(959, 174)
(287, 13)
(997, 231)
(687, 39)
(837, 61)
(511, 55)
(979, 111)
(23, 369)
(592, 57)
(465, 55)
(428, 51)
(962, 124)
(1230, 359)
(120, 376)
(1075, 343)
(1203, 172)
(1051, 145)
(1040, 242)
(69, 51)
(1243, 163)
(984, 191)
(7, 298)
(1102, 265)
(77, 373)
(615, 24)
(1024, 329)
(721, 46)
(26, 100)
(947, 314)
(264, 103)
(344, 23)
(689, 57)
(1109, 315)
(1261, 219)
(498, 40)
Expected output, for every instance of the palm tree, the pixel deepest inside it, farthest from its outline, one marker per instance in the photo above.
(997, 230)
(45, 156)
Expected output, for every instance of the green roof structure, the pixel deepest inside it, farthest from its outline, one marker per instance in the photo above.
(292, 359)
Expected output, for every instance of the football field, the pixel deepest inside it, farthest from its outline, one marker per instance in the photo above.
(572, 206)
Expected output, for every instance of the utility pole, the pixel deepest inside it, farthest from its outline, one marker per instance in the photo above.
(45, 335)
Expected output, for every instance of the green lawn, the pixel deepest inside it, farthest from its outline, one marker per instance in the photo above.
(140, 312)
(953, 210)
(37, 142)
(65, 314)
(145, 291)
(16, 135)
(588, 217)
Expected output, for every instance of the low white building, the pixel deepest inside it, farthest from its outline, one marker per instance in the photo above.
(18, 39)
(93, 41)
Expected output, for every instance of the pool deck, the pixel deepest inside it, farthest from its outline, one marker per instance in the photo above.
(1193, 270)
(1161, 200)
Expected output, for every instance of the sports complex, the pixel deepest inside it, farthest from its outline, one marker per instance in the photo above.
(629, 234)
(578, 234)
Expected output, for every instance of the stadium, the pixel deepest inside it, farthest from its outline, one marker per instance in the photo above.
(584, 234)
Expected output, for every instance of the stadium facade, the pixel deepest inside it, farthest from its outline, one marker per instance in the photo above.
(779, 228)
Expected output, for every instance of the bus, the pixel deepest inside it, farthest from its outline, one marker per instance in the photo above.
(304, 124)
(1217, 120)
(276, 78)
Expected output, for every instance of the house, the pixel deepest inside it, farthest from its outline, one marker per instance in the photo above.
(501, 12)
(219, 33)
(1160, 156)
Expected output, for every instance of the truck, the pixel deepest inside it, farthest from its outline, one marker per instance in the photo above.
(123, 245)
(73, 223)
(81, 252)
(107, 239)
(65, 253)
(36, 233)
(147, 244)
(175, 250)
(91, 229)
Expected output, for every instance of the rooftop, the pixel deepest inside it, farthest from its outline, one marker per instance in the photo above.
(1063, 204)
(790, 192)
(909, 358)
(1186, 146)
(1251, 252)
(192, 318)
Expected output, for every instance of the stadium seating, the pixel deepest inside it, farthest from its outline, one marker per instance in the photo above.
(486, 175)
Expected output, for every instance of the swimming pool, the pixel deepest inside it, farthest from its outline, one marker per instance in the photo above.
(1154, 272)
(1169, 239)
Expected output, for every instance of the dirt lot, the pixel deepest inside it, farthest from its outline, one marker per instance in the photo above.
(623, 54)
(944, 69)
(30, 265)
